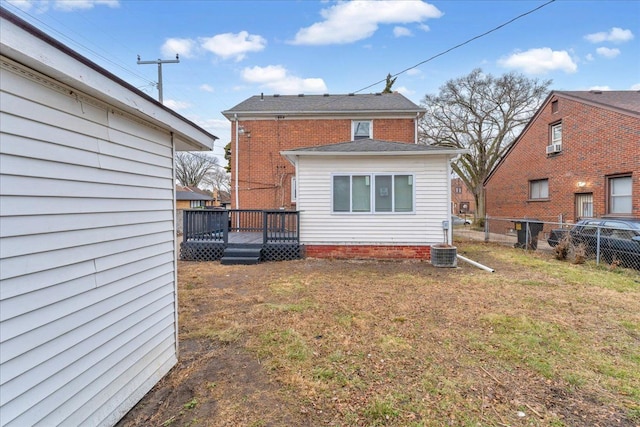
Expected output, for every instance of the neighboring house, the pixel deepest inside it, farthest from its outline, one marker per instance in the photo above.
(578, 157)
(193, 198)
(372, 199)
(263, 126)
(462, 200)
(88, 311)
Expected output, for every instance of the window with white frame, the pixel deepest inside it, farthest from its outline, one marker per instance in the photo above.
(619, 188)
(361, 129)
(539, 189)
(379, 193)
(556, 133)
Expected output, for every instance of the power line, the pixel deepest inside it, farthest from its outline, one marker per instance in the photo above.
(460, 44)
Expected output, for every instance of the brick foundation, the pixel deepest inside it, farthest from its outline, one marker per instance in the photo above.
(368, 252)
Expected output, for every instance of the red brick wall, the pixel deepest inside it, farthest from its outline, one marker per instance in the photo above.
(368, 252)
(265, 176)
(465, 196)
(596, 143)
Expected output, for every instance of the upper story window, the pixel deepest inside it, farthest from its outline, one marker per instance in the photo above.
(459, 190)
(539, 189)
(554, 106)
(364, 193)
(556, 133)
(361, 129)
(619, 188)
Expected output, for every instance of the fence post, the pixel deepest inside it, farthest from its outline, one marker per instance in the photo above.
(598, 245)
(486, 227)
(265, 224)
(185, 225)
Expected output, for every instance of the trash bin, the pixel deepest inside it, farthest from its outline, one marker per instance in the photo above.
(528, 230)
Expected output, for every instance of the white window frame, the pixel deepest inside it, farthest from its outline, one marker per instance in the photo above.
(554, 138)
(354, 124)
(536, 193)
(619, 196)
(372, 202)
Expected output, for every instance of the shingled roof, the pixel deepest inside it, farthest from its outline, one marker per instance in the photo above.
(623, 100)
(324, 104)
(373, 147)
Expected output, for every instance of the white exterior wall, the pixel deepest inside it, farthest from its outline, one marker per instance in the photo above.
(318, 225)
(87, 255)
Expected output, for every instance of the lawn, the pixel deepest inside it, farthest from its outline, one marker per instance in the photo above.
(540, 342)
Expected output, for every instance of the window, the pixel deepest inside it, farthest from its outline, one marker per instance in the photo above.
(539, 189)
(294, 190)
(197, 203)
(459, 190)
(556, 133)
(361, 129)
(554, 106)
(619, 195)
(384, 193)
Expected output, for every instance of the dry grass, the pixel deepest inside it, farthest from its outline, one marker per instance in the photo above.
(345, 343)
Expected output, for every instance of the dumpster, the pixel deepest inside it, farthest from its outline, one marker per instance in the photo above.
(528, 230)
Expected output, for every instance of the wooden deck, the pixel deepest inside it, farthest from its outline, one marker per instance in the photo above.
(245, 238)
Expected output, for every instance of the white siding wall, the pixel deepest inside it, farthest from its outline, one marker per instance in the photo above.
(87, 269)
(318, 225)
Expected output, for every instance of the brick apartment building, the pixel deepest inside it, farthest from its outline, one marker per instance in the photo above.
(578, 157)
(263, 126)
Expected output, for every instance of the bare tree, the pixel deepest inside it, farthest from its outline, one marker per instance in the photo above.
(218, 179)
(192, 168)
(483, 114)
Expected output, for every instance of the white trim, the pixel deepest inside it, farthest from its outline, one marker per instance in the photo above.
(353, 128)
(372, 204)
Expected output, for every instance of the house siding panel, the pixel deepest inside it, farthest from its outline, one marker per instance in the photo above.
(319, 226)
(87, 258)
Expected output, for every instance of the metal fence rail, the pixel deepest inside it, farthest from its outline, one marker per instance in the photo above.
(616, 246)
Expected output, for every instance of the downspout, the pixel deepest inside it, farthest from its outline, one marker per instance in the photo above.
(450, 230)
(237, 172)
(415, 130)
(175, 248)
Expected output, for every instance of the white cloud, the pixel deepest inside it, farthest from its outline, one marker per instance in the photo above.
(339, 22)
(176, 105)
(607, 52)
(414, 72)
(183, 47)
(403, 90)
(401, 32)
(424, 27)
(278, 79)
(635, 86)
(206, 88)
(615, 35)
(589, 57)
(599, 88)
(540, 61)
(236, 46)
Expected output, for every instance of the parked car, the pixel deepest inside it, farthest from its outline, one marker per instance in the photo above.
(456, 220)
(618, 239)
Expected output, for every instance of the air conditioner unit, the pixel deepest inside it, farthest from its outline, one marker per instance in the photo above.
(554, 148)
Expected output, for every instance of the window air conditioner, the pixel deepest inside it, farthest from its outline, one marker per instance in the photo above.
(554, 148)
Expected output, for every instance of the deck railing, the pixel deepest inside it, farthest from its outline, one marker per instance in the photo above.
(214, 225)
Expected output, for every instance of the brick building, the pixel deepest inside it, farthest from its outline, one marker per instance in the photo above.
(578, 157)
(462, 200)
(263, 126)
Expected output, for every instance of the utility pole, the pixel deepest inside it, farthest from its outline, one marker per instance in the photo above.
(160, 62)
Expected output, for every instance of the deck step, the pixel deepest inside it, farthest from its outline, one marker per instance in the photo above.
(241, 254)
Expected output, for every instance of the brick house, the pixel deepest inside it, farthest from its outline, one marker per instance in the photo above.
(578, 157)
(193, 197)
(263, 126)
(462, 200)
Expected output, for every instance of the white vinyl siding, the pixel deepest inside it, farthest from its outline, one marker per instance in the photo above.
(319, 225)
(87, 256)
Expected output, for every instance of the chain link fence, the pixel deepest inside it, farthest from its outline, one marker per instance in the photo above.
(603, 241)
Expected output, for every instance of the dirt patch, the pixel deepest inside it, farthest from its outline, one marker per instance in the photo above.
(361, 343)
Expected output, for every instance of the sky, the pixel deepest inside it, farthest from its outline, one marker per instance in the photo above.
(232, 50)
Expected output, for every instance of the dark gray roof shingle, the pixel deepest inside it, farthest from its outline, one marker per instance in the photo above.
(626, 100)
(370, 146)
(293, 104)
